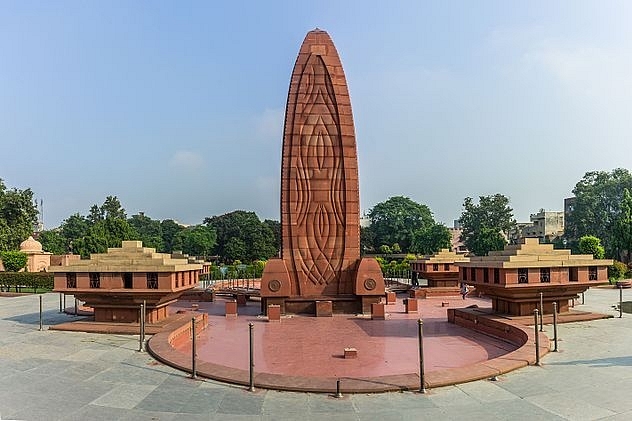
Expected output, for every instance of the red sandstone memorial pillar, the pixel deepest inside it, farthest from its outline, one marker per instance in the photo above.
(320, 205)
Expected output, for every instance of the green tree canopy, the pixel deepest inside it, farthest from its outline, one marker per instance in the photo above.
(598, 199)
(431, 239)
(53, 241)
(367, 240)
(149, 231)
(13, 261)
(396, 220)
(486, 224)
(275, 226)
(242, 236)
(198, 240)
(106, 226)
(623, 227)
(590, 244)
(18, 215)
(170, 230)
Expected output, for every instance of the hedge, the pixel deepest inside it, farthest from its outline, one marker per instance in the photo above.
(35, 280)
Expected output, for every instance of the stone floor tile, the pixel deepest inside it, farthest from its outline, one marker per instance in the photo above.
(124, 396)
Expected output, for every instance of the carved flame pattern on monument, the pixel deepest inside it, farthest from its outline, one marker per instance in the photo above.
(319, 206)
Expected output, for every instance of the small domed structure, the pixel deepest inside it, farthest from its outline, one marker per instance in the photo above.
(38, 259)
(31, 245)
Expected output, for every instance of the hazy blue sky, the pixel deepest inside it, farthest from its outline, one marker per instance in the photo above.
(177, 107)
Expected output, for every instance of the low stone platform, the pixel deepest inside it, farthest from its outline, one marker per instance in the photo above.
(466, 355)
(172, 322)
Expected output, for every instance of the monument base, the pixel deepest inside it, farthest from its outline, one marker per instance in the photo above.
(124, 307)
(277, 288)
(522, 301)
(341, 304)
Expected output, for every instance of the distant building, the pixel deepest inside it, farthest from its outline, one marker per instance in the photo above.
(545, 225)
(456, 245)
(517, 234)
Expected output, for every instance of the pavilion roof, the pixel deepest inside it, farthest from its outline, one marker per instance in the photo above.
(130, 257)
(531, 254)
(444, 256)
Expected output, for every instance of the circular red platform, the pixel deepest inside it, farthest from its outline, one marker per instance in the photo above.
(309, 349)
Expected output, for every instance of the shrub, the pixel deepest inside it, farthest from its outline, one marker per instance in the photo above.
(589, 244)
(13, 261)
(35, 280)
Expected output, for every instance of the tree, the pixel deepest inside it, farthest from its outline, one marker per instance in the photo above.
(431, 239)
(486, 224)
(53, 242)
(395, 221)
(598, 199)
(170, 230)
(486, 240)
(623, 227)
(106, 226)
(112, 208)
(590, 244)
(275, 226)
(13, 261)
(73, 228)
(149, 231)
(256, 239)
(367, 240)
(18, 215)
(198, 240)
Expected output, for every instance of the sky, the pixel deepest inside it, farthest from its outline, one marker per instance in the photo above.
(177, 108)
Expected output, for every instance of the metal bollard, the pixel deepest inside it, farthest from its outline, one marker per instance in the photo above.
(422, 388)
(40, 314)
(338, 393)
(60, 307)
(64, 302)
(582, 298)
(141, 333)
(251, 388)
(541, 311)
(193, 350)
(144, 322)
(555, 325)
(537, 337)
(620, 302)
(76, 309)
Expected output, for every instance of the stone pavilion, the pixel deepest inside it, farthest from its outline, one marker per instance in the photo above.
(115, 283)
(439, 269)
(38, 260)
(514, 277)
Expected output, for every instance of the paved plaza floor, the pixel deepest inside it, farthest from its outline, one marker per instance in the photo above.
(53, 375)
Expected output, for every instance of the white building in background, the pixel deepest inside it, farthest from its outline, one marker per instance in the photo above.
(545, 225)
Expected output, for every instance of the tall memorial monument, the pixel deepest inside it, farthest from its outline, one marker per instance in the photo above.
(320, 270)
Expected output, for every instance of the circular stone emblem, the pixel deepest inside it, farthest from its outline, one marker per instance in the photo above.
(274, 285)
(370, 284)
